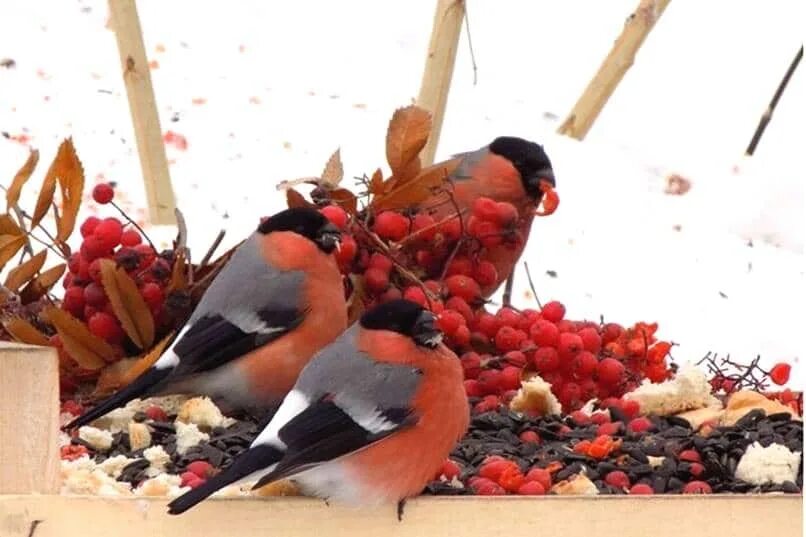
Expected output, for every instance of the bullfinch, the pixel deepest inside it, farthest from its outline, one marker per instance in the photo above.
(277, 301)
(370, 420)
(510, 170)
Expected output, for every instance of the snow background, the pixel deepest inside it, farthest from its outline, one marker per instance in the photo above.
(286, 83)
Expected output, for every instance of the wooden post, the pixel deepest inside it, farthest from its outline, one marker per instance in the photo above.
(439, 69)
(613, 69)
(143, 107)
(29, 419)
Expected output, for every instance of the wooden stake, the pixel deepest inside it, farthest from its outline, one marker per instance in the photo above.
(143, 107)
(613, 69)
(438, 71)
(29, 419)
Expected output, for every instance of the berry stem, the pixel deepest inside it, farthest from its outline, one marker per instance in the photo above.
(132, 222)
(532, 285)
(213, 248)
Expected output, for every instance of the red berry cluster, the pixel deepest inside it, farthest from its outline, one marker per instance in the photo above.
(85, 297)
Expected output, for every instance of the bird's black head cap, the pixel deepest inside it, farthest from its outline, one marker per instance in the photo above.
(407, 318)
(529, 159)
(307, 222)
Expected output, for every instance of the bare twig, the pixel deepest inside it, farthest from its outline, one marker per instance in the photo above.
(132, 222)
(212, 249)
(506, 298)
(470, 46)
(458, 214)
(531, 284)
(767, 116)
(181, 231)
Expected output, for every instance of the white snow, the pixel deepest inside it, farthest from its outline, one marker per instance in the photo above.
(285, 84)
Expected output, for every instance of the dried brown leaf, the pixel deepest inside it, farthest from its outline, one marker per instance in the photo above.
(334, 170)
(418, 189)
(355, 304)
(122, 373)
(127, 303)
(9, 226)
(345, 199)
(45, 199)
(14, 191)
(295, 199)
(25, 332)
(407, 135)
(376, 183)
(39, 286)
(179, 273)
(88, 350)
(23, 273)
(9, 246)
(70, 174)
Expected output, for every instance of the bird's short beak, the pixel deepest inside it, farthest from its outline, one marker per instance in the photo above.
(329, 238)
(426, 332)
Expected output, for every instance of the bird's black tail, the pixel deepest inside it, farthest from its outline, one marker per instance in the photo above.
(255, 459)
(138, 388)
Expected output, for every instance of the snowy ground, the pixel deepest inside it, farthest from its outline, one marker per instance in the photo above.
(269, 94)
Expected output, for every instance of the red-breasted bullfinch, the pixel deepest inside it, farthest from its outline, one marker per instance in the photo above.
(370, 420)
(276, 302)
(510, 170)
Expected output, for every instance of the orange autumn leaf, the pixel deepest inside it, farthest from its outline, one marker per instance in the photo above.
(376, 183)
(25, 332)
(179, 279)
(123, 372)
(39, 286)
(127, 303)
(23, 273)
(8, 226)
(88, 350)
(295, 199)
(147, 360)
(46, 192)
(407, 135)
(70, 175)
(345, 199)
(418, 189)
(22, 176)
(355, 304)
(334, 170)
(9, 246)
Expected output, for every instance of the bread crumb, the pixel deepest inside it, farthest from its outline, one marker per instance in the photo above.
(203, 412)
(576, 485)
(187, 436)
(772, 464)
(688, 390)
(98, 439)
(113, 466)
(535, 397)
(139, 436)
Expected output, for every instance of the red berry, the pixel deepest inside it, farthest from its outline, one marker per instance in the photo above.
(105, 326)
(434, 287)
(493, 468)
(461, 338)
(72, 408)
(473, 388)
(531, 488)
(610, 428)
(610, 371)
(448, 321)
(570, 395)
(391, 226)
(485, 273)
(463, 287)
(489, 403)
(485, 209)
(202, 469)
(579, 417)
(553, 311)
(152, 294)
(696, 469)
(376, 280)
(585, 364)
(346, 251)
(73, 301)
(381, 262)
(416, 295)
(460, 265)
(697, 487)
(600, 417)
(545, 333)
(657, 372)
(94, 247)
(516, 358)
(539, 475)
(109, 231)
(103, 193)
(641, 489)
(631, 408)
(337, 216)
(471, 364)
(779, 373)
(508, 317)
(130, 237)
(94, 295)
(511, 479)
(426, 259)
(507, 339)
(618, 479)
(611, 332)
(393, 293)
(424, 227)
(510, 378)
(546, 359)
(569, 345)
(591, 341)
(451, 229)
(640, 425)
(529, 437)
(487, 324)
(490, 381)
(189, 479)
(486, 487)
(506, 214)
(156, 413)
(460, 306)
(450, 469)
(488, 233)
(689, 455)
(89, 225)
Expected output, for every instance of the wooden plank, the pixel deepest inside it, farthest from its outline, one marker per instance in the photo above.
(438, 71)
(613, 69)
(658, 516)
(29, 419)
(143, 108)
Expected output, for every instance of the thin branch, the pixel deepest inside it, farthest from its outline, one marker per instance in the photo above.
(181, 231)
(531, 284)
(213, 248)
(470, 46)
(132, 222)
(767, 116)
